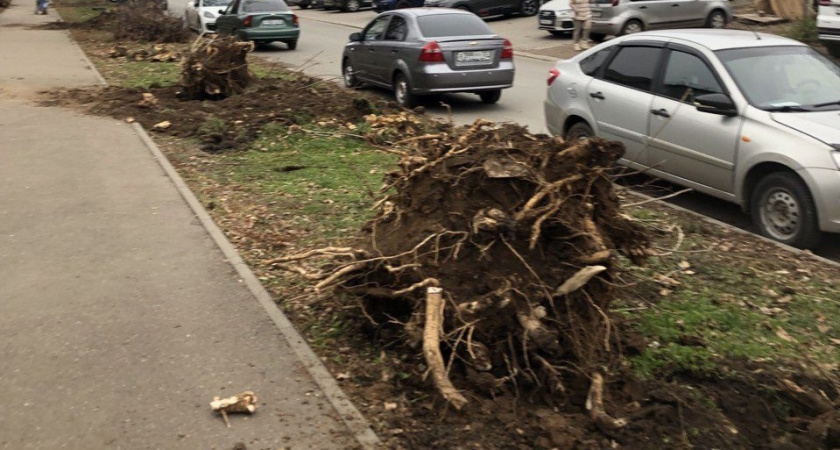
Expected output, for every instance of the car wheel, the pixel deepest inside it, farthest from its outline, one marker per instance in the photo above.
(716, 19)
(529, 7)
(402, 5)
(632, 26)
(578, 131)
(833, 48)
(291, 44)
(597, 37)
(349, 74)
(402, 92)
(490, 97)
(352, 5)
(784, 210)
(558, 32)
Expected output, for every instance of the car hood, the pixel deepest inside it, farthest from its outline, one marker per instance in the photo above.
(821, 125)
(556, 5)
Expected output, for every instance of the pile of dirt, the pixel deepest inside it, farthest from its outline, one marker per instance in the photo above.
(133, 21)
(232, 123)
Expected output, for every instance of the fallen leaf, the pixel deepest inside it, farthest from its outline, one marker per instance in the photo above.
(129, 120)
(684, 265)
(163, 125)
(390, 406)
(823, 328)
(784, 335)
(665, 292)
(342, 376)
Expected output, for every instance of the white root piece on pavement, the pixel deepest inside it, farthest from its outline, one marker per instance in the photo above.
(245, 402)
(578, 280)
(431, 348)
(595, 405)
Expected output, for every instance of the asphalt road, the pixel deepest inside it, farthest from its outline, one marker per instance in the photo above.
(324, 33)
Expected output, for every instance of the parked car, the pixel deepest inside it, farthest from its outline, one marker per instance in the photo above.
(347, 5)
(303, 4)
(261, 21)
(620, 17)
(751, 118)
(828, 25)
(556, 17)
(421, 51)
(389, 5)
(490, 8)
(200, 15)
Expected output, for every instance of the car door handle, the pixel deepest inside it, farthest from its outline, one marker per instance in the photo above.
(660, 112)
(597, 95)
(674, 6)
(643, 7)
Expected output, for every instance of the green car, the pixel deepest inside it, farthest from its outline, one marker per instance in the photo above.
(261, 21)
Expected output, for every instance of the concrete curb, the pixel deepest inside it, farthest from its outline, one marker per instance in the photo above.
(735, 229)
(350, 415)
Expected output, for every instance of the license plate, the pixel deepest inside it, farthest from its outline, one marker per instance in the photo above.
(473, 58)
(546, 22)
(596, 13)
(273, 22)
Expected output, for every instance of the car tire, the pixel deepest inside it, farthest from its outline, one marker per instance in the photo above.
(716, 19)
(833, 48)
(402, 5)
(352, 6)
(291, 44)
(597, 37)
(529, 8)
(402, 92)
(578, 131)
(303, 6)
(632, 26)
(490, 97)
(783, 210)
(558, 32)
(349, 75)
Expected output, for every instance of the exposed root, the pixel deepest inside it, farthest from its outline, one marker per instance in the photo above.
(431, 348)
(595, 406)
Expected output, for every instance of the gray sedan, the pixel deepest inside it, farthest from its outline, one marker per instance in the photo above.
(748, 117)
(421, 51)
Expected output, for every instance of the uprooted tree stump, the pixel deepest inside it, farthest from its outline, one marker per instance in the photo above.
(516, 238)
(146, 21)
(216, 67)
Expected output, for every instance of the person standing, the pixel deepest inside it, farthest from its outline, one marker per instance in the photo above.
(582, 19)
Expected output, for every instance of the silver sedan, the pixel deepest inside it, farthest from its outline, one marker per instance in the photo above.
(748, 117)
(421, 51)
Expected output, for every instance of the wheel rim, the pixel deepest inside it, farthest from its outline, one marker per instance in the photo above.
(781, 214)
(529, 7)
(352, 5)
(632, 27)
(349, 76)
(401, 91)
(717, 21)
(578, 135)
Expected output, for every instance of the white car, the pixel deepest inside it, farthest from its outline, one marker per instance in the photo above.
(556, 17)
(200, 15)
(828, 25)
(748, 117)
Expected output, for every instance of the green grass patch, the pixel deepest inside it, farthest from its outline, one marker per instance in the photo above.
(804, 30)
(76, 12)
(145, 74)
(327, 181)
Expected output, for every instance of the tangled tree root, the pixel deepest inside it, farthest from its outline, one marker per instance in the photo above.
(523, 233)
(216, 68)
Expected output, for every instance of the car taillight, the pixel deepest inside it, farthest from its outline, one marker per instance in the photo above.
(295, 20)
(553, 73)
(507, 51)
(247, 21)
(614, 3)
(431, 53)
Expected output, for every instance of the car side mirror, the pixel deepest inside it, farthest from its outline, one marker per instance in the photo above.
(221, 12)
(356, 37)
(720, 104)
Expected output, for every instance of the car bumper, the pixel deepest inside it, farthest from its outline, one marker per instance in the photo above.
(557, 24)
(555, 117)
(435, 78)
(825, 187)
(263, 34)
(829, 34)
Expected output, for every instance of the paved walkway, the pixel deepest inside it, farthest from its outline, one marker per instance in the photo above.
(122, 312)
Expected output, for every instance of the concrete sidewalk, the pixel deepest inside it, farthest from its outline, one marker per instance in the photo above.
(122, 310)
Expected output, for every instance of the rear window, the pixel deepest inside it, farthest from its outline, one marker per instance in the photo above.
(254, 6)
(446, 25)
(593, 62)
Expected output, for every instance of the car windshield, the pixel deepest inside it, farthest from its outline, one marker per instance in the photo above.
(216, 2)
(786, 79)
(255, 6)
(448, 25)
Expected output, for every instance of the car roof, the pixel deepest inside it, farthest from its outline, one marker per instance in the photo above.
(418, 12)
(717, 39)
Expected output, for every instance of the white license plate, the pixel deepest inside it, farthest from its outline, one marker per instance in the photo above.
(274, 22)
(473, 58)
(546, 22)
(596, 13)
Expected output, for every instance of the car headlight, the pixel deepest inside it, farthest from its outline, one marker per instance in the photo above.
(209, 15)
